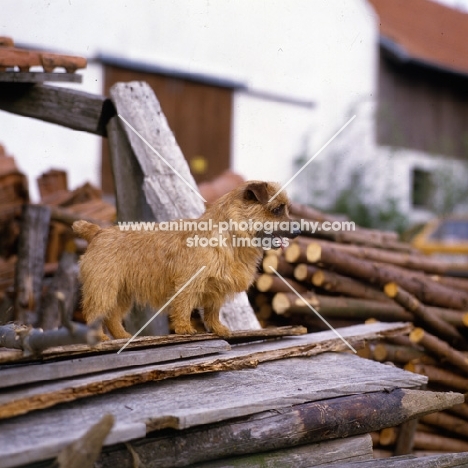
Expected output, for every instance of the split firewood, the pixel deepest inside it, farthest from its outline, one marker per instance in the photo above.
(432, 321)
(271, 283)
(338, 307)
(65, 279)
(30, 266)
(337, 283)
(440, 348)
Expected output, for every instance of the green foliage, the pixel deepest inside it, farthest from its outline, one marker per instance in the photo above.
(353, 202)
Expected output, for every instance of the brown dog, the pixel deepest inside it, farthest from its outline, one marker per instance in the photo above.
(149, 267)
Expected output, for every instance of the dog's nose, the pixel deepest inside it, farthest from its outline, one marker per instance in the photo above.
(295, 233)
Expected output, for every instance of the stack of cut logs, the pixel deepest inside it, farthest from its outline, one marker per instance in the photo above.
(38, 250)
(350, 277)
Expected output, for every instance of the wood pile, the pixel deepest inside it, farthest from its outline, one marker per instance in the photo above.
(369, 275)
(38, 250)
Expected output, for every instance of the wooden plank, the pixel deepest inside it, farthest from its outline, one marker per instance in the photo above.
(166, 187)
(23, 400)
(272, 430)
(20, 375)
(66, 107)
(39, 77)
(62, 352)
(344, 450)
(32, 245)
(449, 460)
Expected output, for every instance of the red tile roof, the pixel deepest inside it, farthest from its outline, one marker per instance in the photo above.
(426, 31)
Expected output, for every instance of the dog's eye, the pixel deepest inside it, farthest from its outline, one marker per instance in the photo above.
(278, 210)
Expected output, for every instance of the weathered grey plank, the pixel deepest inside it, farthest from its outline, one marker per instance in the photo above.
(27, 399)
(66, 107)
(62, 352)
(29, 270)
(199, 399)
(305, 423)
(312, 455)
(88, 365)
(166, 181)
(448, 460)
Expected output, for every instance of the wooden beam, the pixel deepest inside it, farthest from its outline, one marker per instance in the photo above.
(307, 423)
(305, 456)
(66, 107)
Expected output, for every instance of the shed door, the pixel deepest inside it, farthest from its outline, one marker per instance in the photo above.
(199, 115)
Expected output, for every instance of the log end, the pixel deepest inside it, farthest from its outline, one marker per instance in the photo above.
(264, 282)
(270, 261)
(280, 303)
(300, 272)
(391, 289)
(314, 252)
(292, 253)
(416, 335)
(318, 278)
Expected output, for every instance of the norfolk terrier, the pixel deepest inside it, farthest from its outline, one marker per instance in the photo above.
(197, 268)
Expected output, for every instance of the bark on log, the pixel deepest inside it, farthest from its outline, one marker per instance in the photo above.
(460, 410)
(426, 441)
(304, 272)
(424, 289)
(400, 354)
(299, 424)
(405, 437)
(440, 348)
(338, 307)
(439, 376)
(433, 322)
(335, 282)
(412, 261)
(30, 265)
(279, 264)
(271, 283)
(448, 422)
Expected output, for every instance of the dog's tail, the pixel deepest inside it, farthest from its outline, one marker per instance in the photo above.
(86, 230)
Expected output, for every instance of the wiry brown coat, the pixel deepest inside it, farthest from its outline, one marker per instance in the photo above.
(151, 267)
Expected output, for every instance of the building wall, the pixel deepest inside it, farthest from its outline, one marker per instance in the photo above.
(318, 51)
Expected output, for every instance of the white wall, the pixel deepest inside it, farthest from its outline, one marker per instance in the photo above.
(321, 50)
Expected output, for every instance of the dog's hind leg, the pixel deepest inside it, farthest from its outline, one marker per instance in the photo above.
(113, 320)
(211, 318)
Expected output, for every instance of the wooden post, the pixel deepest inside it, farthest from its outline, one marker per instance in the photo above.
(30, 266)
(165, 190)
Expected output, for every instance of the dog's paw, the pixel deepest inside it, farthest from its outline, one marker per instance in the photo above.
(185, 330)
(221, 330)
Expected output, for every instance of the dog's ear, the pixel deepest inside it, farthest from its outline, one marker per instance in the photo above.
(257, 191)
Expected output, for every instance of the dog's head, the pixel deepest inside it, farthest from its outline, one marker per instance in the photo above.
(266, 208)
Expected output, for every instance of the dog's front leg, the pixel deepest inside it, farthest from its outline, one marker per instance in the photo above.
(181, 312)
(211, 319)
